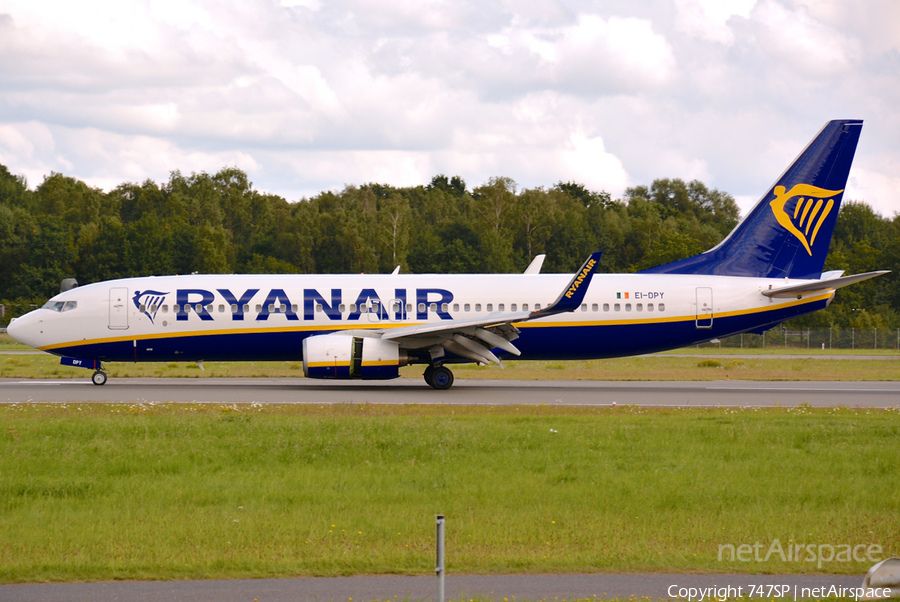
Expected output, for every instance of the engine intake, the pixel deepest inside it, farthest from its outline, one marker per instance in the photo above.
(344, 356)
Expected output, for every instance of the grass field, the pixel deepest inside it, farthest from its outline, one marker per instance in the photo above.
(99, 492)
(635, 368)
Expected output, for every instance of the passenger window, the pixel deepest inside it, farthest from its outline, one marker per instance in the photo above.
(606, 307)
(524, 307)
(434, 307)
(342, 308)
(142, 308)
(353, 308)
(537, 306)
(628, 307)
(594, 307)
(154, 308)
(294, 308)
(210, 308)
(639, 307)
(584, 307)
(165, 309)
(445, 307)
(512, 307)
(247, 309)
(490, 307)
(456, 307)
(408, 307)
(318, 308)
(649, 307)
(271, 308)
(258, 308)
(421, 307)
(617, 307)
(661, 307)
(478, 307)
(500, 307)
(234, 309)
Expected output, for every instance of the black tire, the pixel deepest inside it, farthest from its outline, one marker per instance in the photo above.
(99, 378)
(441, 379)
(429, 373)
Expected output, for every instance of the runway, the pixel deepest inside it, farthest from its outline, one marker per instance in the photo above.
(732, 393)
(393, 587)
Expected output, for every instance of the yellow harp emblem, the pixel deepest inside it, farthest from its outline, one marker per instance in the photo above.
(807, 207)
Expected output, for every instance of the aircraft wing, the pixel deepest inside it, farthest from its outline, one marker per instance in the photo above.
(828, 284)
(467, 337)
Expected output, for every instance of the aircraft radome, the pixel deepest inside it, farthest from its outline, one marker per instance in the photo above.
(767, 270)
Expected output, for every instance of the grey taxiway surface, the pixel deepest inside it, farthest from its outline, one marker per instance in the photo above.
(464, 392)
(529, 587)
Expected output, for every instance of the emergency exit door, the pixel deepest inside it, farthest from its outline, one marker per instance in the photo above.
(118, 308)
(704, 307)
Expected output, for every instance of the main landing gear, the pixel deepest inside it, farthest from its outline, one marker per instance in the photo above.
(438, 377)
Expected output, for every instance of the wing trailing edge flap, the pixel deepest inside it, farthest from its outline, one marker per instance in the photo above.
(820, 286)
(495, 330)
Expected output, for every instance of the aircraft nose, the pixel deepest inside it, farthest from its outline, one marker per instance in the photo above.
(23, 329)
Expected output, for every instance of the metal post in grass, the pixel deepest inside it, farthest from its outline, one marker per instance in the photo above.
(876, 338)
(439, 565)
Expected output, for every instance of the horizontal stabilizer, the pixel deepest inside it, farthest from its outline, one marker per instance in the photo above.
(821, 285)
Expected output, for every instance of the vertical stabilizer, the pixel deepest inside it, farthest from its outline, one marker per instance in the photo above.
(788, 232)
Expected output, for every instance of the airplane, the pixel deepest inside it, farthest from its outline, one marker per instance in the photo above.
(767, 270)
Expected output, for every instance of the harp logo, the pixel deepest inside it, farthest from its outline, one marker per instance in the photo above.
(802, 210)
(149, 302)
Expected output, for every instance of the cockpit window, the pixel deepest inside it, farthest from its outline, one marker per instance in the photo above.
(61, 305)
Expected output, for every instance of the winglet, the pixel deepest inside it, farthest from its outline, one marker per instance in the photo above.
(535, 266)
(572, 296)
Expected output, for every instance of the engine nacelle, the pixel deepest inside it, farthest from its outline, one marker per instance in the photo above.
(344, 356)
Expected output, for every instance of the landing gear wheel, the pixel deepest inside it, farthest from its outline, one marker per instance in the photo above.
(441, 379)
(99, 378)
(428, 375)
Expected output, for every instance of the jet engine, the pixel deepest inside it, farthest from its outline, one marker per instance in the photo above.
(346, 356)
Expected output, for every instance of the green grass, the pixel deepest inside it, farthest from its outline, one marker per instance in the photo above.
(7, 343)
(631, 368)
(100, 492)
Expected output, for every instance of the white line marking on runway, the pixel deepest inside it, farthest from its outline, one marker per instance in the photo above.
(818, 389)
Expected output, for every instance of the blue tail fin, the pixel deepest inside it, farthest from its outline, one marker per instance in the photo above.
(788, 232)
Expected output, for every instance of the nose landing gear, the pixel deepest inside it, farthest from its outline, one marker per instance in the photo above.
(438, 377)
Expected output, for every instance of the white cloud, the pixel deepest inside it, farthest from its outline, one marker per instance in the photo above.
(812, 47)
(708, 19)
(309, 95)
(588, 162)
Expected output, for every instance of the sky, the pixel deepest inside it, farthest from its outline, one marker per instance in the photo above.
(314, 95)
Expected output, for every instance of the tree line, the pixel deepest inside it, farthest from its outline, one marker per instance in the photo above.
(219, 223)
